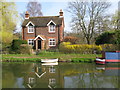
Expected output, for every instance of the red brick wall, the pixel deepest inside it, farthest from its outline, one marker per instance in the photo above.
(44, 31)
(62, 32)
(40, 31)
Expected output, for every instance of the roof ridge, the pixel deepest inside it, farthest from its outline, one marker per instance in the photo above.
(43, 16)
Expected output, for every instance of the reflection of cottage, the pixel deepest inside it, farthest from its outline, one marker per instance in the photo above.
(30, 78)
(43, 32)
(42, 77)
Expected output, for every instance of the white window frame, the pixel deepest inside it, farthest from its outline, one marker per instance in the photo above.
(52, 41)
(51, 28)
(52, 69)
(31, 28)
(31, 80)
(52, 81)
(29, 42)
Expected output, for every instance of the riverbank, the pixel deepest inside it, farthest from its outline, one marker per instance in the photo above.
(48, 55)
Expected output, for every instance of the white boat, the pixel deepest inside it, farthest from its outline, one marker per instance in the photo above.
(100, 61)
(49, 60)
(49, 64)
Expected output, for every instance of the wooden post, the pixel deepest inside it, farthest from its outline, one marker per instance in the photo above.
(36, 44)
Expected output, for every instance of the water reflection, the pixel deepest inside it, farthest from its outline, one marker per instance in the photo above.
(62, 75)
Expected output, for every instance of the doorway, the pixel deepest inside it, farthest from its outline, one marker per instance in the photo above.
(39, 44)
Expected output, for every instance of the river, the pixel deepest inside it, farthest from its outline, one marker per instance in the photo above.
(60, 75)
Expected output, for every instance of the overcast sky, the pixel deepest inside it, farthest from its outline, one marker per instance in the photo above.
(52, 8)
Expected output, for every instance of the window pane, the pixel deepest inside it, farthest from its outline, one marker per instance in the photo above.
(31, 28)
(52, 42)
(31, 42)
(52, 28)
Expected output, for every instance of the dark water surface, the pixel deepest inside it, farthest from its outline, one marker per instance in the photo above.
(63, 75)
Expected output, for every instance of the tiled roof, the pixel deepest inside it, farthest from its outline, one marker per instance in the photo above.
(43, 20)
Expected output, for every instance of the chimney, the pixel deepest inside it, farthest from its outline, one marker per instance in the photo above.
(27, 15)
(61, 13)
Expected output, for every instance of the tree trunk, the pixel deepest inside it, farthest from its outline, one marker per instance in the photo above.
(88, 40)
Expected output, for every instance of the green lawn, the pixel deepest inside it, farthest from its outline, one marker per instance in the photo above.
(48, 55)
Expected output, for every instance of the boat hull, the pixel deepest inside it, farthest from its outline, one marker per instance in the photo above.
(100, 61)
(112, 57)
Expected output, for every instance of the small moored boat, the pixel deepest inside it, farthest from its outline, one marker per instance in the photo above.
(100, 60)
(49, 60)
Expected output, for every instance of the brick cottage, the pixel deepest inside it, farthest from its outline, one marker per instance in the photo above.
(43, 32)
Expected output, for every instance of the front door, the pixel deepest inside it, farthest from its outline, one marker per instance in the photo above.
(39, 44)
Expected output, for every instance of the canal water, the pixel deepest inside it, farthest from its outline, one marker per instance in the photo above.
(60, 75)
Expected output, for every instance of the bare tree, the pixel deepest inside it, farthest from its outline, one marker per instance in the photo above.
(85, 15)
(34, 8)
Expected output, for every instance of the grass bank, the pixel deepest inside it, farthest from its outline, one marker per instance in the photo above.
(44, 54)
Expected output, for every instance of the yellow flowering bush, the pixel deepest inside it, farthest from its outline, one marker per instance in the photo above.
(67, 47)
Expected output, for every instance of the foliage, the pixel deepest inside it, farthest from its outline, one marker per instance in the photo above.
(82, 59)
(112, 37)
(117, 36)
(25, 49)
(6, 37)
(15, 47)
(109, 47)
(9, 16)
(66, 47)
(115, 20)
(71, 39)
(105, 38)
(13, 59)
(17, 35)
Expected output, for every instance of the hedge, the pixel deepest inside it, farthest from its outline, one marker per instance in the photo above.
(67, 47)
(16, 43)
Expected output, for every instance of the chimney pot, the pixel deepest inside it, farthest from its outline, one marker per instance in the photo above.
(61, 13)
(27, 15)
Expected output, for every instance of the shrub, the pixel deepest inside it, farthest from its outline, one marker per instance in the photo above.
(71, 39)
(105, 38)
(109, 38)
(117, 36)
(66, 47)
(25, 49)
(109, 47)
(15, 47)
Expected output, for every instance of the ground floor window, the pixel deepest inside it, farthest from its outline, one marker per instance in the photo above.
(31, 80)
(52, 42)
(52, 69)
(52, 81)
(31, 42)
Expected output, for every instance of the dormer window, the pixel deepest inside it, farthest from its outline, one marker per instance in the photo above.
(51, 26)
(30, 27)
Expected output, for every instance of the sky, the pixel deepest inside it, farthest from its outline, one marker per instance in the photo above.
(52, 8)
